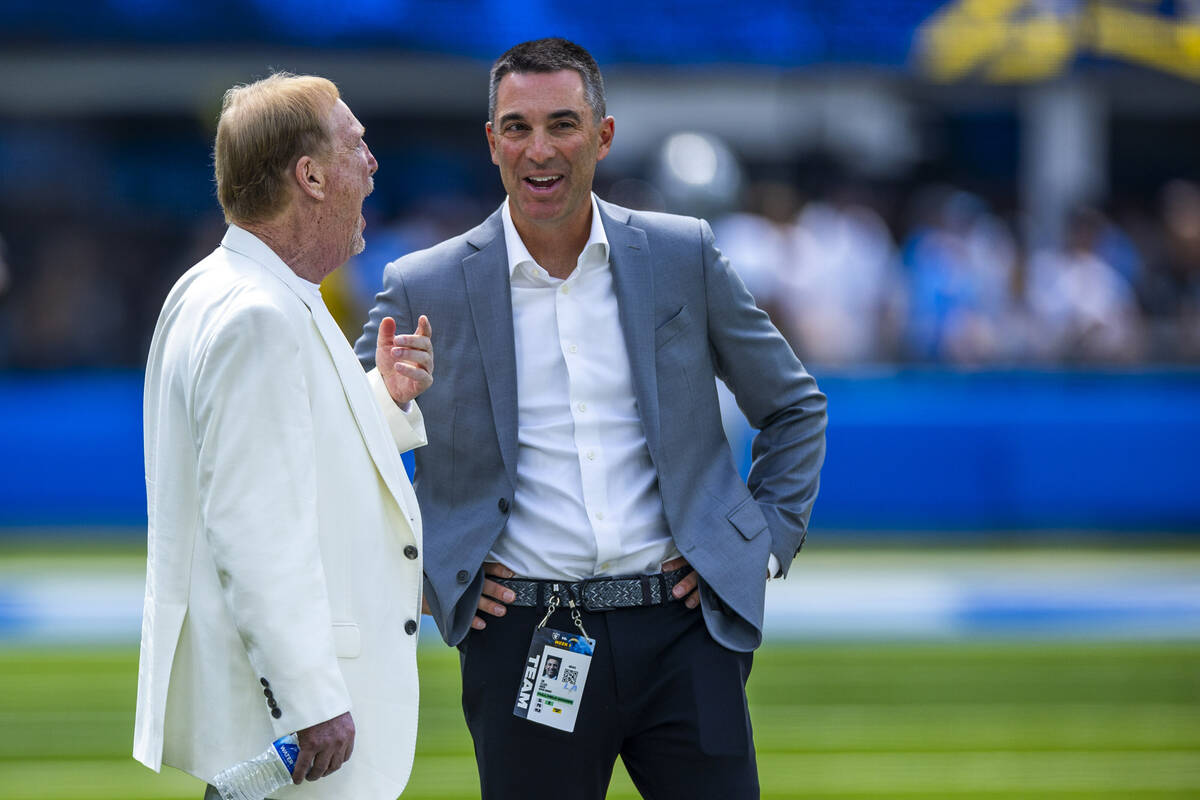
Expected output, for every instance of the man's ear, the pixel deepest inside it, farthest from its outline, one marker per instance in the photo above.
(491, 137)
(607, 126)
(310, 177)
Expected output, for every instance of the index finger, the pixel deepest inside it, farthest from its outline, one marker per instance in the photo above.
(387, 331)
(320, 767)
(304, 762)
(497, 569)
(674, 563)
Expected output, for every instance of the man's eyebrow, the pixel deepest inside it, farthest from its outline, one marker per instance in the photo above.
(565, 113)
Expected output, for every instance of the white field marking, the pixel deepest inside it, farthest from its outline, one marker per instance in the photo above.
(1034, 774)
(1125, 594)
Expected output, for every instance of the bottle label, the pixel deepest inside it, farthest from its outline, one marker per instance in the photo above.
(288, 751)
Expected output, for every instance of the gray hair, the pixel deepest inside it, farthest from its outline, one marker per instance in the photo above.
(550, 55)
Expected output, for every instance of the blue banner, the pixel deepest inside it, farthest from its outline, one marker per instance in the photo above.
(910, 451)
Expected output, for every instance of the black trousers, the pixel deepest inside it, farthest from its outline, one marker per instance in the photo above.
(660, 693)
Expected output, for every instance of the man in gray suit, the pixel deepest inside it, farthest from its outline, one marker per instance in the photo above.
(577, 476)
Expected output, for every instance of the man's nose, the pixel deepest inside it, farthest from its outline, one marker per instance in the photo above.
(540, 148)
(371, 162)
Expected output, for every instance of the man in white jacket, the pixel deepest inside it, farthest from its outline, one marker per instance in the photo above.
(283, 580)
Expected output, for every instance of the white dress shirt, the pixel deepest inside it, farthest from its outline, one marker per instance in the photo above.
(587, 500)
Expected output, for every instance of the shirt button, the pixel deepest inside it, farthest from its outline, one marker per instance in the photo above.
(599, 515)
(410, 627)
(591, 455)
(566, 289)
(582, 406)
(573, 348)
(462, 576)
(410, 551)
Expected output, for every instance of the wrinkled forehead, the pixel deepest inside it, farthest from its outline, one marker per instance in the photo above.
(529, 92)
(341, 123)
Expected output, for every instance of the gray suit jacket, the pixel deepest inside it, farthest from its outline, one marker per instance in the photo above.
(687, 319)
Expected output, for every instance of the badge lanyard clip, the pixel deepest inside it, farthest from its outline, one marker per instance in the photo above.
(552, 605)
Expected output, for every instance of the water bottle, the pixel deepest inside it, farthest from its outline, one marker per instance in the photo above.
(258, 777)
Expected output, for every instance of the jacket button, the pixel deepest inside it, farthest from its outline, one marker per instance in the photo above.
(267, 693)
(264, 681)
(410, 551)
(410, 627)
(462, 576)
(503, 505)
(271, 702)
(276, 713)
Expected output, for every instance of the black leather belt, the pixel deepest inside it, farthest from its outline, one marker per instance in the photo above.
(598, 594)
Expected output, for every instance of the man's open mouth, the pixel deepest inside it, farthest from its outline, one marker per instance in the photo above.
(544, 181)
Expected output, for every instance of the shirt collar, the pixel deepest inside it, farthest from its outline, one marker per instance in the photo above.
(518, 253)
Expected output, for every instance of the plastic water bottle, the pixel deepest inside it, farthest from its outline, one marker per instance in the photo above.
(259, 776)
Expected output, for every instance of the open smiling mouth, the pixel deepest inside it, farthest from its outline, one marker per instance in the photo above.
(543, 182)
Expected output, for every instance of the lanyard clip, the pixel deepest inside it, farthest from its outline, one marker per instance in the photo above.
(551, 605)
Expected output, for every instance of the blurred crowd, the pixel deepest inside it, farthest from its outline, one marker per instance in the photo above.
(938, 276)
(943, 279)
(959, 285)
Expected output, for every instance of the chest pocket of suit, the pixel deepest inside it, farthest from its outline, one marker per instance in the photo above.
(671, 328)
(674, 384)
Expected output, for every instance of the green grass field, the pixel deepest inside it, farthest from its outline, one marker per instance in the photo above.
(938, 721)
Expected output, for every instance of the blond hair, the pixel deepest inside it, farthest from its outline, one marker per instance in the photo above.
(264, 129)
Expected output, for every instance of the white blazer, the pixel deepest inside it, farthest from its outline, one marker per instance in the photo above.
(284, 535)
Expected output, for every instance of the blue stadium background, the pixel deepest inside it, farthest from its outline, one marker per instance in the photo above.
(105, 129)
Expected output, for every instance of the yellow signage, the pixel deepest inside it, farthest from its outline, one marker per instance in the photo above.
(1020, 41)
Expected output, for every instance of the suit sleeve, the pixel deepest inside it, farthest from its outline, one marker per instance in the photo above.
(392, 301)
(258, 490)
(407, 428)
(777, 395)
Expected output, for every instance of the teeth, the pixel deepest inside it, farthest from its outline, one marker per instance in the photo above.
(545, 180)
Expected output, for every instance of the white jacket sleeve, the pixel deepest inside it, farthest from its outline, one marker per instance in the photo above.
(253, 429)
(407, 427)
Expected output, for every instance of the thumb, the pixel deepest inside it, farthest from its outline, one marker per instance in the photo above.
(423, 328)
(387, 332)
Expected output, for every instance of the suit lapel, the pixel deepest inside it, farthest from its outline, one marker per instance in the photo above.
(362, 403)
(490, 297)
(633, 283)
